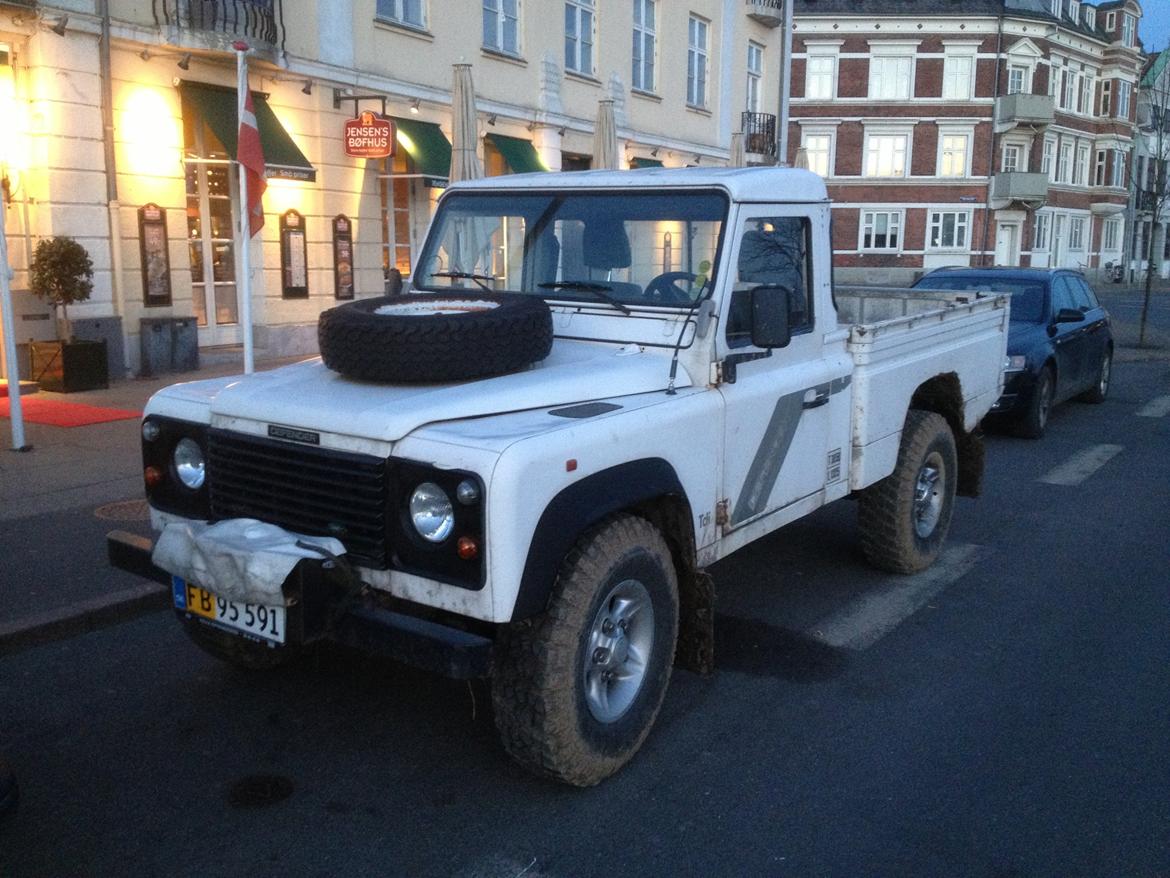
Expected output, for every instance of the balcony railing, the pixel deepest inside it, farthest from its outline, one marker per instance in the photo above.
(766, 12)
(759, 134)
(1019, 186)
(1023, 109)
(261, 21)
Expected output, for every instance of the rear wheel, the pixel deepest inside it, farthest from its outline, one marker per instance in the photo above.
(1032, 423)
(904, 518)
(235, 650)
(1100, 389)
(576, 689)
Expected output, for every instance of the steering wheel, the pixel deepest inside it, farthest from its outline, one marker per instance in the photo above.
(663, 290)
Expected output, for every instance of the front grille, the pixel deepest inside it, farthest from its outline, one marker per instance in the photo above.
(307, 490)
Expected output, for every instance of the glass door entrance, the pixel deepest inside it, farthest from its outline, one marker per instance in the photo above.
(211, 222)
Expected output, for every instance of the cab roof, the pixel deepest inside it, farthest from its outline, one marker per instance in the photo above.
(742, 184)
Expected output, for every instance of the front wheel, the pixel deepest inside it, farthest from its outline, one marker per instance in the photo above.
(904, 518)
(577, 688)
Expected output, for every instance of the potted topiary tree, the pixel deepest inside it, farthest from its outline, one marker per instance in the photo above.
(61, 273)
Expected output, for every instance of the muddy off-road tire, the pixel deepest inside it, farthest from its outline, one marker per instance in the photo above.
(577, 688)
(435, 337)
(237, 651)
(904, 518)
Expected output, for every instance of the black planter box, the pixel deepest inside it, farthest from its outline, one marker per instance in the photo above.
(67, 367)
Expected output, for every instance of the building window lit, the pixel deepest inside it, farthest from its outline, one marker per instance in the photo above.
(881, 230)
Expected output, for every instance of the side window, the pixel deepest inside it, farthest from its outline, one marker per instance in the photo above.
(1085, 298)
(1062, 296)
(773, 251)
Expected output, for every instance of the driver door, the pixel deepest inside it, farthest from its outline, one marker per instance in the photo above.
(786, 410)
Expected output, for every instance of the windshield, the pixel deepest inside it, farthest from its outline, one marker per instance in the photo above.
(1027, 295)
(614, 248)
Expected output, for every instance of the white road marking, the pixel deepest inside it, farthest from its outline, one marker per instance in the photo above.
(1081, 465)
(1155, 408)
(867, 620)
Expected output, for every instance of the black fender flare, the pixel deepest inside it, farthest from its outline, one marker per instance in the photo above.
(578, 507)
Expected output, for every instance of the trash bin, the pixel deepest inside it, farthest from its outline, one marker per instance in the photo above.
(169, 344)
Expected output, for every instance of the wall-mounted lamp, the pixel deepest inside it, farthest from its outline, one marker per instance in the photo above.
(667, 252)
(59, 27)
(491, 119)
(307, 88)
(531, 126)
(145, 55)
(561, 131)
(184, 62)
(414, 106)
(698, 158)
(654, 153)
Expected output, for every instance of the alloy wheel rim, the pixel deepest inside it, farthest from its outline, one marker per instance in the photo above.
(928, 497)
(618, 650)
(1106, 368)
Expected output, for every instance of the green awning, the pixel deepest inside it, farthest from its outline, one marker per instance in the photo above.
(520, 155)
(428, 146)
(638, 162)
(218, 107)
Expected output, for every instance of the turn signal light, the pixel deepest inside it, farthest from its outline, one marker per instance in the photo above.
(153, 476)
(467, 548)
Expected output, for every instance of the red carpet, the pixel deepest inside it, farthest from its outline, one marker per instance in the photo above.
(57, 413)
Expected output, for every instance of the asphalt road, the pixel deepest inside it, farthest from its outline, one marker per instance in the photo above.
(1004, 714)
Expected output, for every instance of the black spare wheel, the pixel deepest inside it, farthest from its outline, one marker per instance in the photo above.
(435, 336)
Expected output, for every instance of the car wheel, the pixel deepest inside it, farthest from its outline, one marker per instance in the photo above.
(1100, 389)
(577, 688)
(1034, 420)
(904, 518)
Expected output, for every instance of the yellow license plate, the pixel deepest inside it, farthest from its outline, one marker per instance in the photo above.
(258, 620)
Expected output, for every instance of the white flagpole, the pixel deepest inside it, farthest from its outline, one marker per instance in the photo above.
(244, 286)
(11, 369)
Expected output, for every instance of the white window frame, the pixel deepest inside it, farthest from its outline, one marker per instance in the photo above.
(886, 84)
(1064, 155)
(830, 155)
(1110, 22)
(1025, 84)
(1076, 233)
(1054, 8)
(698, 60)
(1088, 82)
(501, 12)
(644, 67)
(946, 150)
(1090, 14)
(1048, 159)
(1110, 234)
(1117, 178)
(958, 83)
(1081, 164)
(580, 47)
(398, 11)
(1124, 95)
(755, 77)
(1067, 99)
(895, 220)
(820, 84)
(1012, 157)
(1128, 30)
(961, 227)
(872, 149)
(1106, 97)
(1042, 232)
(1099, 165)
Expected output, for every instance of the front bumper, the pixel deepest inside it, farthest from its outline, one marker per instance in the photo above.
(1017, 391)
(319, 608)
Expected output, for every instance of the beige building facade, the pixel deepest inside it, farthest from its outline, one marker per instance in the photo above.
(118, 130)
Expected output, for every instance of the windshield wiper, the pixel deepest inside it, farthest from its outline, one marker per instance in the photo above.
(466, 275)
(587, 286)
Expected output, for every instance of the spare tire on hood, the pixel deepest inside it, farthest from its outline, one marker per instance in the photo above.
(435, 336)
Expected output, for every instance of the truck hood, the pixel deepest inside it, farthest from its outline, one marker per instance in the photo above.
(310, 396)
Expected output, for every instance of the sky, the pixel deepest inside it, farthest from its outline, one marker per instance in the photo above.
(1154, 27)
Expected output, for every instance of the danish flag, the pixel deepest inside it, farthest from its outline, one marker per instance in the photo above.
(251, 155)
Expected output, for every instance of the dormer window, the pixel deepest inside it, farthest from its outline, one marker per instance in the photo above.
(1128, 27)
(1054, 7)
(1090, 17)
(1074, 11)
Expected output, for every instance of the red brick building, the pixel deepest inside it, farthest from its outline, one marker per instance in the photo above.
(967, 132)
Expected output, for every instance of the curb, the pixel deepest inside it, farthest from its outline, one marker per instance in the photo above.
(82, 617)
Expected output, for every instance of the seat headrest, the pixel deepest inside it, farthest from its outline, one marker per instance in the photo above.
(605, 245)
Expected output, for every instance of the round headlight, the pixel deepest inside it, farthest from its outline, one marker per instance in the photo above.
(150, 430)
(189, 464)
(431, 512)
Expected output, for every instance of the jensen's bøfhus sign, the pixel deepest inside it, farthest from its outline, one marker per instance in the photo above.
(369, 136)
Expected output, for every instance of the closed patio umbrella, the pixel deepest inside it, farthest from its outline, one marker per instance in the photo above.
(464, 160)
(605, 148)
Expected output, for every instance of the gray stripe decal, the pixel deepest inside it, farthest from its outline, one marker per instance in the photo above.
(765, 468)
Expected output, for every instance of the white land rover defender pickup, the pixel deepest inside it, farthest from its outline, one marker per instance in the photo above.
(597, 385)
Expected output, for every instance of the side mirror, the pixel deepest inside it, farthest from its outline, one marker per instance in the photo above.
(1069, 315)
(770, 317)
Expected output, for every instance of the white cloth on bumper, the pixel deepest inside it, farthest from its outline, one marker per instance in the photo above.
(241, 559)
